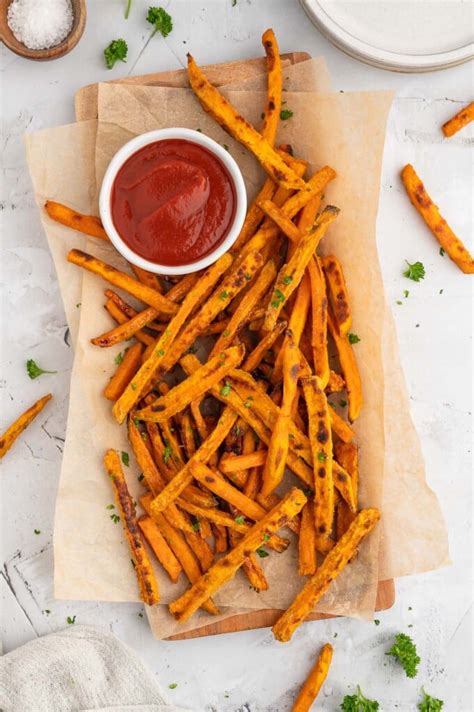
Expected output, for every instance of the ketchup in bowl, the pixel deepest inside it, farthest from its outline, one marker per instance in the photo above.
(173, 202)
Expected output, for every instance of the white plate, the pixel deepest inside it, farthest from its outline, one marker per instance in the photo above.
(403, 36)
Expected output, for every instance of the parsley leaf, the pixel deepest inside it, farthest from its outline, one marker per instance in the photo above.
(358, 703)
(34, 370)
(223, 295)
(70, 620)
(442, 251)
(115, 518)
(168, 451)
(226, 389)
(279, 298)
(37, 531)
(404, 650)
(196, 525)
(173, 685)
(161, 21)
(115, 51)
(285, 114)
(429, 704)
(118, 359)
(287, 279)
(353, 338)
(110, 506)
(240, 519)
(406, 293)
(125, 458)
(262, 553)
(322, 457)
(415, 271)
(342, 403)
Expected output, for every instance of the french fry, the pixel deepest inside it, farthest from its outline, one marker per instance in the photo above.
(125, 331)
(213, 515)
(187, 435)
(336, 383)
(250, 567)
(220, 538)
(193, 387)
(21, 423)
(126, 370)
(339, 426)
(224, 569)
(254, 216)
(242, 314)
(314, 681)
(299, 315)
(219, 300)
(150, 368)
(275, 462)
(271, 501)
(319, 309)
(346, 455)
(234, 463)
(434, 220)
(116, 313)
(235, 124)
(148, 278)
(288, 228)
(178, 544)
(160, 548)
(330, 568)
(307, 542)
(349, 369)
(203, 454)
(291, 273)
(459, 120)
(123, 281)
(87, 224)
(147, 582)
(273, 107)
(343, 484)
(319, 431)
(337, 291)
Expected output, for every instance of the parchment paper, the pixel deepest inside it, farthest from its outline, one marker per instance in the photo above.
(344, 130)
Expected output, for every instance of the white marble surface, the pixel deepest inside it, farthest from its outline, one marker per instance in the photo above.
(249, 671)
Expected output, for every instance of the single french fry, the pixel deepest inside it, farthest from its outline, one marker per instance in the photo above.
(299, 315)
(234, 463)
(160, 548)
(346, 455)
(148, 278)
(291, 273)
(201, 549)
(178, 544)
(242, 314)
(349, 369)
(150, 368)
(220, 538)
(125, 331)
(459, 120)
(271, 501)
(147, 582)
(21, 423)
(343, 484)
(319, 309)
(448, 240)
(338, 294)
(235, 124)
(123, 281)
(336, 383)
(87, 224)
(307, 542)
(319, 431)
(203, 454)
(330, 568)
(339, 426)
(274, 89)
(219, 300)
(288, 228)
(193, 387)
(278, 447)
(126, 370)
(314, 681)
(116, 313)
(224, 569)
(250, 567)
(254, 216)
(213, 515)
(187, 435)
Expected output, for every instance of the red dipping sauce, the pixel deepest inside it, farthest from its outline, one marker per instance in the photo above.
(173, 202)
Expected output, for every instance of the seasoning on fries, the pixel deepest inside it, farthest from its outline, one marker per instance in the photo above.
(224, 385)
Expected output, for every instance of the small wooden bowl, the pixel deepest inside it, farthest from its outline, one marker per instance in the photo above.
(9, 39)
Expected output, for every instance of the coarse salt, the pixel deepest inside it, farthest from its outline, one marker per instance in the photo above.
(40, 24)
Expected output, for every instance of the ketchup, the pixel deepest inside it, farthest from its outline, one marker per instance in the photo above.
(173, 202)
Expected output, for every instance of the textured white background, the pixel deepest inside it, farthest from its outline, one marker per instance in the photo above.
(249, 671)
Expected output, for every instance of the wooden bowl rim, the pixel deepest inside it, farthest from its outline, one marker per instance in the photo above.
(60, 50)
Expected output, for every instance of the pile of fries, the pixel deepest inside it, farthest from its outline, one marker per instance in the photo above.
(216, 448)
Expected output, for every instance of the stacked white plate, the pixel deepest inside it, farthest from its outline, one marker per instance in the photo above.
(400, 35)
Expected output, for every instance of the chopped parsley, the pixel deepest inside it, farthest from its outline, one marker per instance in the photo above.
(226, 146)
(406, 293)
(110, 506)
(161, 21)
(173, 686)
(442, 251)
(226, 332)
(115, 518)
(70, 620)
(160, 352)
(266, 537)
(353, 338)
(34, 370)
(115, 51)
(279, 298)
(136, 422)
(168, 451)
(342, 403)
(287, 279)
(196, 525)
(223, 295)
(37, 531)
(262, 553)
(285, 114)
(240, 519)
(125, 458)
(141, 477)
(376, 621)
(415, 271)
(226, 389)
(118, 359)
(133, 386)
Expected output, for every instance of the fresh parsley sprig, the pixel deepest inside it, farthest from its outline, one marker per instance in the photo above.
(415, 271)
(115, 51)
(404, 650)
(430, 704)
(358, 703)
(161, 21)
(34, 370)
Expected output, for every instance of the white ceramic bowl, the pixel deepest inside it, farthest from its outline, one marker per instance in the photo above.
(160, 135)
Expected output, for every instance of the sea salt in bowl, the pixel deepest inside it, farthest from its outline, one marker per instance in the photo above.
(19, 20)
